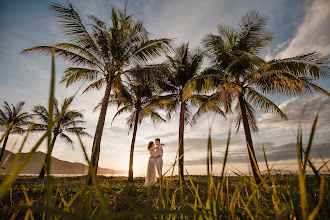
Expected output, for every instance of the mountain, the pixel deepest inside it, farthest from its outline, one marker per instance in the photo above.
(57, 166)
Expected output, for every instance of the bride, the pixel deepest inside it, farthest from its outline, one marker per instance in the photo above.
(151, 177)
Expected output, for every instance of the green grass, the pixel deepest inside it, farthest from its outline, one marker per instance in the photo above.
(121, 196)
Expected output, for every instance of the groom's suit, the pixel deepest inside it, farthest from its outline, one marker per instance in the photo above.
(159, 160)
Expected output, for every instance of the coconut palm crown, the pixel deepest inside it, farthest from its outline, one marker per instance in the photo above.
(238, 72)
(137, 96)
(15, 120)
(69, 123)
(101, 54)
(184, 66)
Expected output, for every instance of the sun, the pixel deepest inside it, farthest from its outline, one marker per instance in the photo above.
(138, 164)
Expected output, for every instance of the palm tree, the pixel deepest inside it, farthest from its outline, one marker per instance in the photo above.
(102, 55)
(15, 120)
(68, 123)
(137, 95)
(185, 66)
(238, 72)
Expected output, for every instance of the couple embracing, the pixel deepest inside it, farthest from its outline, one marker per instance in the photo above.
(155, 162)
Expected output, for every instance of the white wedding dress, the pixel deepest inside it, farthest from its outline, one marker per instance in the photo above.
(151, 177)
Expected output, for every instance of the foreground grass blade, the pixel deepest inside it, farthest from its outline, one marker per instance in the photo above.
(9, 180)
(95, 180)
(319, 204)
(49, 196)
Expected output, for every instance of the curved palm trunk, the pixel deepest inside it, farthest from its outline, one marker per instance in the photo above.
(99, 131)
(42, 172)
(181, 134)
(4, 146)
(248, 137)
(131, 155)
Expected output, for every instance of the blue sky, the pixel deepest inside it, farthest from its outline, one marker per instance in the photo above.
(299, 26)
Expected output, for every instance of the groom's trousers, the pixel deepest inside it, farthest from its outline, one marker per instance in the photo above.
(159, 165)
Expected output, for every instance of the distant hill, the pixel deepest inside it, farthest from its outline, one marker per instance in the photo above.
(57, 166)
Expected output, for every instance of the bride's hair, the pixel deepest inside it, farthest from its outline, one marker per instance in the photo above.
(150, 144)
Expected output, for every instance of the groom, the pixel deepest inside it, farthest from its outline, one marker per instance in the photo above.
(159, 157)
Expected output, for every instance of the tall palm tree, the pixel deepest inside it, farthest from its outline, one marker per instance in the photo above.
(101, 55)
(137, 96)
(185, 66)
(67, 124)
(15, 120)
(239, 73)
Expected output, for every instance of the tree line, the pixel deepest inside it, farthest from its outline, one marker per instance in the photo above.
(19, 122)
(116, 59)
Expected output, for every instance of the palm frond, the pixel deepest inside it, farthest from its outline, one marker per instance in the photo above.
(102, 39)
(78, 130)
(82, 51)
(204, 83)
(227, 35)
(312, 87)
(3, 122)
(41, 113)
(73, 27)
(149, 73)
(8, 110)
(3, 116)
(252, 33)
(72, 57)
(71, 123)
(130, 120)
(216, 50)
(39, 127)
(150, 49)
(95, 85)
(18, 108)
(156, 118)
(306, 65)
(122, 110)
(168, 102)
(263, 103)
(206, 104)
(67, 139)
(13, 116)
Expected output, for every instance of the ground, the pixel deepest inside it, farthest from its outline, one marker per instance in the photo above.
(71, 195)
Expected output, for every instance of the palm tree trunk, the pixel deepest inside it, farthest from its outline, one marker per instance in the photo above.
(99, 131)
(181, 133)
(4, 146)
(248, 138)
(42, 172)
(131, 155)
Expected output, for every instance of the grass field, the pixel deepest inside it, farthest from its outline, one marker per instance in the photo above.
(133, 199)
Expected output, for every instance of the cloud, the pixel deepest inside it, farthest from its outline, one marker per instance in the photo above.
(293, 108)
(312, 34)
(273, 153)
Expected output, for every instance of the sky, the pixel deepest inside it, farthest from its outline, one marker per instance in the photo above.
(299, 26)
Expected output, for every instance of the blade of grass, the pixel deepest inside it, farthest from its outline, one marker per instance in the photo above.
(301, 176)
(321, 197)
(49, 197)
(16, 158)
(7, 182)
(283, 213)
(94, 180)
(309, 146)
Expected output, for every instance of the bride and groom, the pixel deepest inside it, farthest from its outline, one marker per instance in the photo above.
(155, 162)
